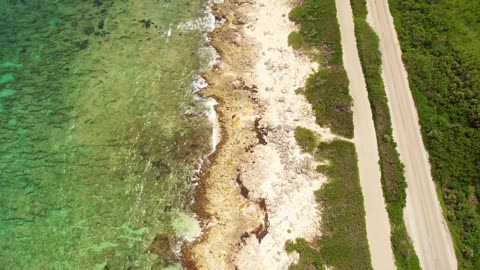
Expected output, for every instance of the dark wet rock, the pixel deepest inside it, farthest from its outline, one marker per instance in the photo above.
(261, 232)
(244, 237)
(244, 2)
(261, 132)
(146, 23)
(240, 20)
(219, 18)
(162, 245)
(243, 190)
(342, 108)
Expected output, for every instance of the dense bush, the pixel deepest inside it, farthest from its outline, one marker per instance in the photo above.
(306, 138)
(441, 51)
(327, 89)
(344, 242)
(310, 257)
(295, 40)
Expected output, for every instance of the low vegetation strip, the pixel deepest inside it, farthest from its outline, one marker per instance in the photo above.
(327, 89)
(343, 244)
(440, 41)
(393, 179)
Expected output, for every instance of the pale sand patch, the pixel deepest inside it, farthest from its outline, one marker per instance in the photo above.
(282, 175)
(377, 224)
(423, 215)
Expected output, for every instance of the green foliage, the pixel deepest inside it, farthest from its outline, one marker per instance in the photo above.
(310, 257)
(343, 244)
(440, 43)
(344, 241)
(306, 138)
(327, 89)
(393, 180)
(300, 91)
(295, 40)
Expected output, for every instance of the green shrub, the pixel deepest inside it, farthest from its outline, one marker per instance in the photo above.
(295, 40)
(343, 244)
(440, 41)
(306, 139)
(327, 89)
(344, 241)
(310, 257)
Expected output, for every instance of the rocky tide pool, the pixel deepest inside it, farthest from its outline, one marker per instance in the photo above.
(100, 132)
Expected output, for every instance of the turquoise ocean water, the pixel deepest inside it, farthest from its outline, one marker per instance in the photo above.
(96, 150)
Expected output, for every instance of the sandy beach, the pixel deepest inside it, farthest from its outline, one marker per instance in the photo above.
(285, 177)
(423, 214)
(258, 191)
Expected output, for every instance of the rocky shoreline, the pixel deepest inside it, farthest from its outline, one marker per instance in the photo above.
(257, 190)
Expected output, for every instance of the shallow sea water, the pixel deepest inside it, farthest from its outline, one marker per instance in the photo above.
(96, 150)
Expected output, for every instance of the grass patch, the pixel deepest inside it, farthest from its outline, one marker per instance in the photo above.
(344, 241)
(440, 41)
(306, 139)
(343, 244)
(393, 179)
(309, 259)
(327, 89)
(295, 40)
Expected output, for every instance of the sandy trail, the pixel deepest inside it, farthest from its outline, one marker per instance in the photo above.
(378, 227)
(423, 214)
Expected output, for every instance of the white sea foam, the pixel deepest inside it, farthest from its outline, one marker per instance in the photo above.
(212, 117)
(205, 23)
(208, 53)
(186, 225)
(198, 83)
(211, 57)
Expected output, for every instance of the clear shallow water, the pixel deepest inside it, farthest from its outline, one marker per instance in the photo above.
(96, 151)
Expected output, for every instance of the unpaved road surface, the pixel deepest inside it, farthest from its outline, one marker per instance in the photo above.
(423, 214)
(378, 227)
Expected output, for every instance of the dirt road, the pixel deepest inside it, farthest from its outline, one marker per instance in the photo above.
(423, 215)
(378, 227)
